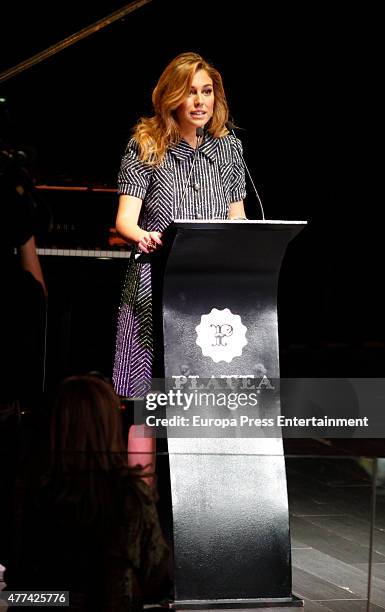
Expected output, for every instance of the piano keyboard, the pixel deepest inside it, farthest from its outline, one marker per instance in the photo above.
(84, 253)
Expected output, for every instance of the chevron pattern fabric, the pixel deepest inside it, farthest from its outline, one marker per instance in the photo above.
(217, 180)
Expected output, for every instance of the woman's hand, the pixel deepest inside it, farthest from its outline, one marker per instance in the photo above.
(150, 242)
(237, 211)
(127, 225)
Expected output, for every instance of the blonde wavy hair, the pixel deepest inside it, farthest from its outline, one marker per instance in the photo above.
(156, 134)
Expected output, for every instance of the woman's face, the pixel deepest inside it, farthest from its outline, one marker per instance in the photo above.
(197, 109)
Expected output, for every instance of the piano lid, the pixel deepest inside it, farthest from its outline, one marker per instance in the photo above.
(77, 218)
(77, 108)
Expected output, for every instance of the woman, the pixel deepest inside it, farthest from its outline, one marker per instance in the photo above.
(158, 183)
(155, 188)
(90, 525)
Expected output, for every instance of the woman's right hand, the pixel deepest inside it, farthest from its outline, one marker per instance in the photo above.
(150, 242)
(127, 225)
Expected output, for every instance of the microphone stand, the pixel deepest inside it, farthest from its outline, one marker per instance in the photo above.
(230, 127)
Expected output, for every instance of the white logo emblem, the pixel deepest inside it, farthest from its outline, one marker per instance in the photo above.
(221, 335)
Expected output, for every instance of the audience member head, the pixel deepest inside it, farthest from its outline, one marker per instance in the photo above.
(86, 431)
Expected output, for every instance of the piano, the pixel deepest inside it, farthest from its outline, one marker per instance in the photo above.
(77, 221)
(84, 263)
(82, 258)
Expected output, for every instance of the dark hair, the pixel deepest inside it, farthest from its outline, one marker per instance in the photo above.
(86, 431)
(89, 475)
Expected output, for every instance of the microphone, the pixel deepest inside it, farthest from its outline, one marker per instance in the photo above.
(199, 134)
(230, 126)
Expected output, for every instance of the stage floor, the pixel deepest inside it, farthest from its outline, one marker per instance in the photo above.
(330, 506)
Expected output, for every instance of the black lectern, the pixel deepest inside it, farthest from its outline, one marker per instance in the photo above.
(229, 495)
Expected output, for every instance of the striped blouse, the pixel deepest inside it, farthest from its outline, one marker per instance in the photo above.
(217, 180)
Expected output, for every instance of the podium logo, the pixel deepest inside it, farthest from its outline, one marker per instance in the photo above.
(221, 335)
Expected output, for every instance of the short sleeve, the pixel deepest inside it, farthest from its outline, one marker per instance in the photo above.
(134, 175)
(238, 183)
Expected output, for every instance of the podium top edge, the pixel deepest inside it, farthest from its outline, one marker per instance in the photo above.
(238, 222)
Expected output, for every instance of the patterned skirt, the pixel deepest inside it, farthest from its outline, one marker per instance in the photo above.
(139, 342)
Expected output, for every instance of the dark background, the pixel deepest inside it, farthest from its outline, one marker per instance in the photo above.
(302, 80)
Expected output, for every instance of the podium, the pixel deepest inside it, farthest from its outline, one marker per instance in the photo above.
(229, 494)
